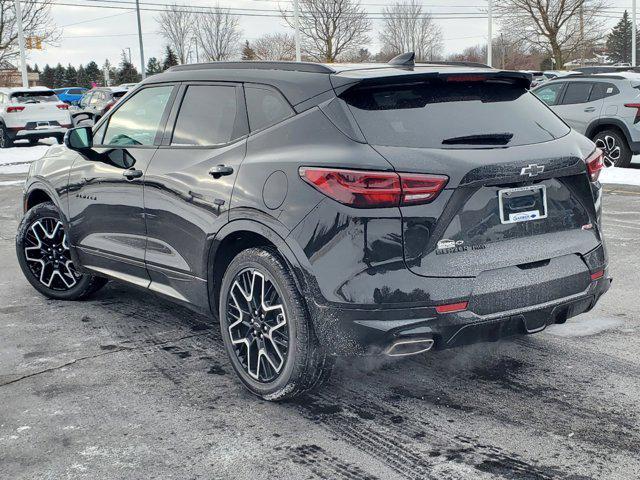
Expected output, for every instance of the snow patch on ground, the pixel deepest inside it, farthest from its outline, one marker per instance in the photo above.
(623, 176)
(584, 326)
(17, 159)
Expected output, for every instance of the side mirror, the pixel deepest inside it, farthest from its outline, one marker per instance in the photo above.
(80, 138)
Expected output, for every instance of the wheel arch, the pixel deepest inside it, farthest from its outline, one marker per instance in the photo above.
(239, 235)
(37, 193)
(603, 124)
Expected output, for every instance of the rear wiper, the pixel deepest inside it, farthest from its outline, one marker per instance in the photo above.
(480, 139)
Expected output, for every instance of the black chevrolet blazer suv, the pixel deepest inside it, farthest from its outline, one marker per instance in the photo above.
(324, 210)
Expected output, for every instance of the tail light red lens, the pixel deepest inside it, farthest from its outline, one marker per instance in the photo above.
(452, 307)
(597, 275)
(14, 109)
(63, 106)
(637, 107)
(595, 164)
(371, 189)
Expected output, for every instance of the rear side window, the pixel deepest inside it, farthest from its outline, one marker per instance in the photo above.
(577, 92)
(207, 116)
(439, 114)
(603, 90)
(266, 107)
(34, 97)
(550, 94)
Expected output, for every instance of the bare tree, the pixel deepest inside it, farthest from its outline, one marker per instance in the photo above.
(176, 25)
(409, 28)
(36, 20)
(561, 28)
(218, 34)
(330, 28)
(275, 46)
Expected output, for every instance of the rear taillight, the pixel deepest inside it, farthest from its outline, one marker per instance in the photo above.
(452, 307)
(371, 189)
(14, 109)
(595, 164)
(597, 275)
(637, 108)
(63, 106)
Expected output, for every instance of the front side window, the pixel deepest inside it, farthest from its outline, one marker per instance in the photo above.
(207, 116)
(265, 107)
(577, 92)
(137, 121)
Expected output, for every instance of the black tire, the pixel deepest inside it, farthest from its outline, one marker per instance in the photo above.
(33, 141)
(5, 140)
(60, 139)
(306, 366)
(67, 283)
(615, 148)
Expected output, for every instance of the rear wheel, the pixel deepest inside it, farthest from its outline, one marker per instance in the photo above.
(60, 139)
(615, 148)
(266, 328)
(45, 258)
(5, 140)
(33, 141)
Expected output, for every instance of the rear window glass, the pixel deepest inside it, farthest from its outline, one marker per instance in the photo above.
(439, 114)
(75, 91)
(119, 94)
(34, 97)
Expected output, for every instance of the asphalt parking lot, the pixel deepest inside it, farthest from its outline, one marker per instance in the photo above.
(128, 386)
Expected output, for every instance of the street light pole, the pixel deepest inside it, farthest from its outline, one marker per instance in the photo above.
(142, 65)
(634, 29)
(490, 34)
(296, 15)
(23, 60)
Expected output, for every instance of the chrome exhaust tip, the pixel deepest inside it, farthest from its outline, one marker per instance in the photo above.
(409, 346)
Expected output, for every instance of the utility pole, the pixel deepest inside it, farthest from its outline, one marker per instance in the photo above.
(296, 15)
(142, 65)
(582, 52)
(490, 34)
(127, 49)
(634, 32)
(23, 60)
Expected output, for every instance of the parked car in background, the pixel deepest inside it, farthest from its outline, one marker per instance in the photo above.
(603, 107)
(126, 86)
(32, 114)
(96, 102)
(550, 74)
(319, 210)
(538, 77)
(70, 95)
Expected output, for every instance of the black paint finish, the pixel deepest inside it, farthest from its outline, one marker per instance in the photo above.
(369, 275)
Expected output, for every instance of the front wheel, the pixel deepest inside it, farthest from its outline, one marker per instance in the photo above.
(44, 256)
(266, 328)
(615, 148)
(5, 140)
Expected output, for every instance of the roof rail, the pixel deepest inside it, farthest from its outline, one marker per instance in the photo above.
(307, 67)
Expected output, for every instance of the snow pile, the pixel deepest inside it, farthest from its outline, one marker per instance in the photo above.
(625, 176)
(17, 159)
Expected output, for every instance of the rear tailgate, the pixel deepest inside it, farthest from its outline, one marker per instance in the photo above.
(502, 149)
(40, 107)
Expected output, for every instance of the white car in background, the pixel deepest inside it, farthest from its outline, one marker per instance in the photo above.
(31, 114)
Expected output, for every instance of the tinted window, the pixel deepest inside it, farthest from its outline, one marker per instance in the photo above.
(266, 107)
(75, 91)
(433, 114)
(602, 90)
(577, 92)
(207, 116)
(34, 97)
(136, 122)
(550, 94)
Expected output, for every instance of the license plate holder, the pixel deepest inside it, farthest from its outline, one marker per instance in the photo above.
(522, 204)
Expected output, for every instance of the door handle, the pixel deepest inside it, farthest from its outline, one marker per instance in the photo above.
(132, 173)
(220, 171)
(590, 109)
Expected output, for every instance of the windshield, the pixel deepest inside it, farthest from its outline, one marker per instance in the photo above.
(441, 114)
(34, 97)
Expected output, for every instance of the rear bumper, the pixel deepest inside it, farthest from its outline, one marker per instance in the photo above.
(20, 133)
(369, 332)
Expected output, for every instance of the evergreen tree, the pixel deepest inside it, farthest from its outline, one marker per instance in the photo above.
(94, 74)
(170, 58)
(70, 76)
(46, 78)
(619, 41)
(127, 72)
(248, 53)
(36, 69)
(82, 79)
(59, 74)
(29, 69)
(153, 66)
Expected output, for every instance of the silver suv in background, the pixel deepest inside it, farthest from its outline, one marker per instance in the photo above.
(603, 107)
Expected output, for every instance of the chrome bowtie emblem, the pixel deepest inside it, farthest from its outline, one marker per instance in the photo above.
(533, 170)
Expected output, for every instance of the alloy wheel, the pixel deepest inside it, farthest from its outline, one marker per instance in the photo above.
(48, 256)
(257, 325)
(610, 148)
